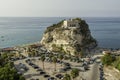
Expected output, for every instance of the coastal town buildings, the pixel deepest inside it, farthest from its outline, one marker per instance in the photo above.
(8, 50)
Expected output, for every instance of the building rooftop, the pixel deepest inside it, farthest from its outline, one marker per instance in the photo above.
(8, 49)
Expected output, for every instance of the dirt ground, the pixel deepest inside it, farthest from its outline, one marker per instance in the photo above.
(111, 73)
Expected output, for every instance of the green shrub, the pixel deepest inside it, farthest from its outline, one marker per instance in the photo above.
(51, 28)
(7, 70)
(116, 63)
(9, 73)
(50, 38)
(74, 73)
(108, 59)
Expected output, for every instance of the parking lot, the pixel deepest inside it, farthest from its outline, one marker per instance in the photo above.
(32, 69)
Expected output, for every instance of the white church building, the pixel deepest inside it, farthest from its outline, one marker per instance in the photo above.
(71, 23)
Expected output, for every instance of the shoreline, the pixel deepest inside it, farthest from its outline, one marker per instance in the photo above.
(38, 42)
(98, 50)
(22, 45)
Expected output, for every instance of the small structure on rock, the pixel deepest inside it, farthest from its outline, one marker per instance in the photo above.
(71, 23)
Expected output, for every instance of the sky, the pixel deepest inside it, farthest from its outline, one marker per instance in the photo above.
(59, 8)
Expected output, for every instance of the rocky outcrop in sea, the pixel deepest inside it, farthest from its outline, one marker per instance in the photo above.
(68, 36)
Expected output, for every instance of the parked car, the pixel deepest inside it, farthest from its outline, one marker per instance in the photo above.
(39, 69)
(59, 76)
(35, 67)
(67, 67)
(46, 76)
(86, 67)
(23, 66)
(19, 73)
(51, 78)
(66, 64)
(42, 72)
(62, 70)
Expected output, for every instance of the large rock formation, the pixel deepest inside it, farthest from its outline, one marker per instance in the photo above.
(68, 36)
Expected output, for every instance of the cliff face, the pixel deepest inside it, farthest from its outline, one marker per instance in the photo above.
(69, 40)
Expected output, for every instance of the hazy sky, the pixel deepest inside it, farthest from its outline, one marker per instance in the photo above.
(60, 8)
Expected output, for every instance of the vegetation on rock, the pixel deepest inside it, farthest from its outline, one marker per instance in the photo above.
(51, 28)
(110, 60)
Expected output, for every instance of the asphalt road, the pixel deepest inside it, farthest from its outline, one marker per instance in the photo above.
(95, 72)
(92, 74)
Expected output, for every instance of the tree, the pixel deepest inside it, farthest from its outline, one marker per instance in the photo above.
(33, 53)
(43, 59)
(51, 56)
(8, 72)
(67, 77)
(54, 59)
(82, 52)
(74, 73)
(61, 58)
(2, 61)
(76, 54)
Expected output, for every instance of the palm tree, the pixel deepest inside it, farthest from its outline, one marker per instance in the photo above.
(43, 59)
(33, 53)
(51, 56)
(54, 59)
(81, 53)
(61, 58)
(67, 77)
(74, 73)
(76, 54)
(36, 52)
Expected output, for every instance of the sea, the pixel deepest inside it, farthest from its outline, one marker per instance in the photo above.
(17, 31)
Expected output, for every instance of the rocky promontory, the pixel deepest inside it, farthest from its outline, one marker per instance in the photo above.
(68, 36)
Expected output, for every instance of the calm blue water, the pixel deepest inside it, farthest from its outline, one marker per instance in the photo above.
(18, 31)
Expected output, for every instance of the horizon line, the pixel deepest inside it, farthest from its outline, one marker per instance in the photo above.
(62, 16)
